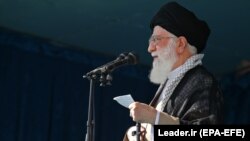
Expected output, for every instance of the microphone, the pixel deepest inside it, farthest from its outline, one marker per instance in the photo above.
(121, 60)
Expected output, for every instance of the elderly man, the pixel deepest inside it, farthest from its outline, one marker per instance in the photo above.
(188, 93)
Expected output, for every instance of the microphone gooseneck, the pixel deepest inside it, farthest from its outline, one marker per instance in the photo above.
(104, 71)
(129, 59)
(122, 59)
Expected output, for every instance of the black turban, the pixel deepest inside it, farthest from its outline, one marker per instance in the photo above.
(181, 22)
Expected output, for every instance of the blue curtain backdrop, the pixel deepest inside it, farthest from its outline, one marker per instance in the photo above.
(43, 96)
(236, 89)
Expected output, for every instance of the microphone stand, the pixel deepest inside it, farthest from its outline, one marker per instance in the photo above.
(103, 74)
(91, 120)
(105, 79)
(138, 128)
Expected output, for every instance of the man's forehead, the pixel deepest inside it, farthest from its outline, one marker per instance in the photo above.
(158, 30)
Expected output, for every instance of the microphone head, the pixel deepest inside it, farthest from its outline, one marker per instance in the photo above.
(132, 58)
(122, 56)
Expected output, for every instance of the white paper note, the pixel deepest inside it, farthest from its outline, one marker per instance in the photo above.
(124, 100)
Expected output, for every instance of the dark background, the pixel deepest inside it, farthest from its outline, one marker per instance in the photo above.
(47, 45)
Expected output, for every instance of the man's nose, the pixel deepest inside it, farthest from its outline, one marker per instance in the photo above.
(151, 48)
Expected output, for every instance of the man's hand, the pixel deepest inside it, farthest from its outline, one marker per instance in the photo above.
(142, 113)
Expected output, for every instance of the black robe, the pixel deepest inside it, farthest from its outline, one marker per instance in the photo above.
(196, 100)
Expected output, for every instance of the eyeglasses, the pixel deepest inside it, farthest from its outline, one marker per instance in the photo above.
(157, 39)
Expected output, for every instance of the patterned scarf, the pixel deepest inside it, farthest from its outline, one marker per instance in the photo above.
(172, 83)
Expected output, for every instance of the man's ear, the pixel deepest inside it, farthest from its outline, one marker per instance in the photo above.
(182, 44)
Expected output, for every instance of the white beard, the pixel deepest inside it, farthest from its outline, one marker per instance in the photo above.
(163, 65)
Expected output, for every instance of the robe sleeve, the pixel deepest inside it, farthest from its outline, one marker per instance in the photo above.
(204, 106)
